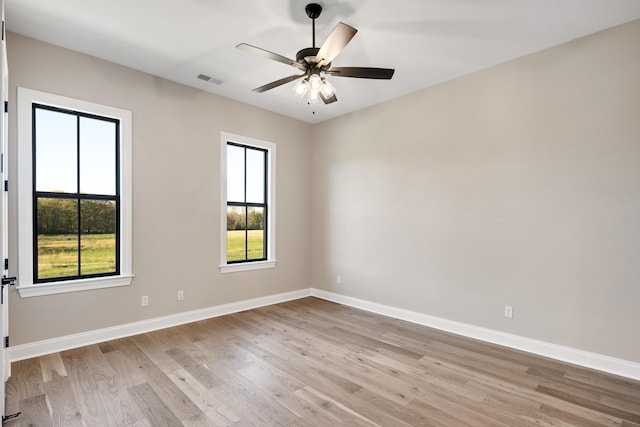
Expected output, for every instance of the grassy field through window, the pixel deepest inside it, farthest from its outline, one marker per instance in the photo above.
(58, 255)
(236, 245)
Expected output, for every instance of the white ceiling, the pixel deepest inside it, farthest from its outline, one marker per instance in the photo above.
(426, 41)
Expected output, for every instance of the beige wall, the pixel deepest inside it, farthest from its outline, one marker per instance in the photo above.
(176, 132)
(516, 185)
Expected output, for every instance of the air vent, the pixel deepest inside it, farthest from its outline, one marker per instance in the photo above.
(209, 79)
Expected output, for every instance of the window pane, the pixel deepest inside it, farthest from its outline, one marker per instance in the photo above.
(235, 173)
(236, 235)
(57, 221)
(97, 156)
(97, 236)
(255, 176)
(56, 151)
(255, 234)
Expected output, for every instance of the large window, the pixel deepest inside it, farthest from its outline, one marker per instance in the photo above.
(75, 194)
(247, 196)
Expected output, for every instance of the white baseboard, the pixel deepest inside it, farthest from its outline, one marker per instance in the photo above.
(577, 357)
(566, 354)
(39, 348)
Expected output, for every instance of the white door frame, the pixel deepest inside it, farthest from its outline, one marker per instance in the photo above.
(5, 366)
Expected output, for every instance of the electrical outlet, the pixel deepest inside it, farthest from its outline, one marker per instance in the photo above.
(144, 301)
(180, 295)
(338, 280)
(508, 311)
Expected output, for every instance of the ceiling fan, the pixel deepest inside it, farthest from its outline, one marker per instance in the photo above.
(314, 61)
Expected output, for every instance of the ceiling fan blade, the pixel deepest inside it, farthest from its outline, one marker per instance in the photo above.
(362, 72)
(337, 40)
(277, 83)
(329, 100)
(270, 55)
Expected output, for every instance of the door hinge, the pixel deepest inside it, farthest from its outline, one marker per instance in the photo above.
(6, 106)
(6, 185)
(6, 263)
(6, 341)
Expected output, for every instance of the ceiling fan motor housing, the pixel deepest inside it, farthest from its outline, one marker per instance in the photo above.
(310, 52)
(303, 53)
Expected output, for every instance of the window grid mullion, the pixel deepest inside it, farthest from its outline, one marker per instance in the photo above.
(246, 210)
(78, 194)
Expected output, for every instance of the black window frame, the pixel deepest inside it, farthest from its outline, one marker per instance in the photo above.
(77, 196)
(247, 205)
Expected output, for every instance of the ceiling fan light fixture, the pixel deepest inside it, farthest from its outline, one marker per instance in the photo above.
(315, 82)
(314, 96)
(313, 88)
(327, 88)
(301, 88)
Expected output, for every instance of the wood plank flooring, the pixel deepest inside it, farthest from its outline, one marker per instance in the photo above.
(311, 363)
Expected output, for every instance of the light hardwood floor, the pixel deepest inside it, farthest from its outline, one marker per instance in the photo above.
(311, 363)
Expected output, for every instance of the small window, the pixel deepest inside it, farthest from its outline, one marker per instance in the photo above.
(74, 199)
(246, 203)
(247, 196)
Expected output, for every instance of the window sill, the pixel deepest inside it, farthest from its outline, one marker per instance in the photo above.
(36, 290)
(246, 266)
